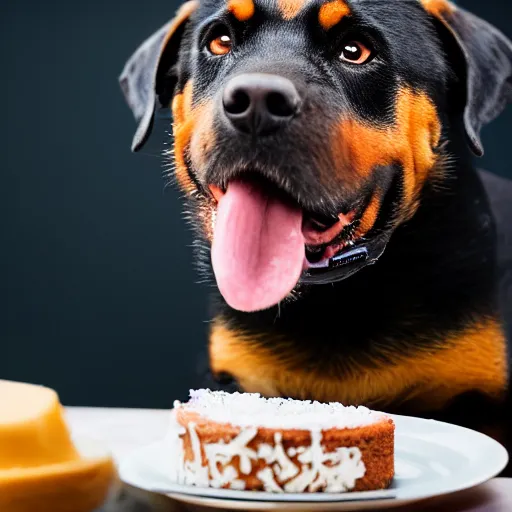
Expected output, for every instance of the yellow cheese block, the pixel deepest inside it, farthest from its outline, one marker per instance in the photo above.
(32, 428)
(40, 467)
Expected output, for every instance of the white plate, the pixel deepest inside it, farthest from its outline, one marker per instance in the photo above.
(431, 459)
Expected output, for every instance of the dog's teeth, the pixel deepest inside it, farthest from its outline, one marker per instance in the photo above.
(314, 249)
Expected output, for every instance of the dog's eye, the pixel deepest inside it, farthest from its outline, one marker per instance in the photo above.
(355, 52)
(220, 43)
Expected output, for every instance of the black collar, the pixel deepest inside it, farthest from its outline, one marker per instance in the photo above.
(347, 262)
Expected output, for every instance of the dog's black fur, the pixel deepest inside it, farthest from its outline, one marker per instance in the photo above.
(448, 260)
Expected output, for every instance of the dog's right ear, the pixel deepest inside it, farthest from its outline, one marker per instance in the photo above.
(487, 58)
(143, 79)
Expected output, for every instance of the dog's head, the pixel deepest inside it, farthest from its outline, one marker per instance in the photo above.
(306, 130)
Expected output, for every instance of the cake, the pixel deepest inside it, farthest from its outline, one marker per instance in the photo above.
(246, 442)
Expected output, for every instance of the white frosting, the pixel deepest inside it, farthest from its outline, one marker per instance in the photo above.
(302, 469)
(251, 409)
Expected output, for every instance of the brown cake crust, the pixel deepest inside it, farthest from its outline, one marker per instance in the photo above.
(375, 441)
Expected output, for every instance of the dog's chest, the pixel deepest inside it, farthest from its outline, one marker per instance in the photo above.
(426, 380)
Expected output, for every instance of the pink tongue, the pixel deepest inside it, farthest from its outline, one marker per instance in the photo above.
(258, 248)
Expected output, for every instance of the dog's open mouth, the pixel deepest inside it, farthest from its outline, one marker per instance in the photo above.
(323, 239)
(263, 242)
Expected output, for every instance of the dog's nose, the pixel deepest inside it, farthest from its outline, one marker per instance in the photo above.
(259, 103)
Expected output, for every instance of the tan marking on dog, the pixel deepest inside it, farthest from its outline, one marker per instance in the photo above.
(369, 216)
(438, 8)
(242, 10)
(183, 125)
(290, 8)
(471, 360)
(412, 140)
(194, 135)
(332, 13)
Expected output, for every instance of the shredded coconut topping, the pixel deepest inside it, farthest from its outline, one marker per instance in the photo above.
(252, 410)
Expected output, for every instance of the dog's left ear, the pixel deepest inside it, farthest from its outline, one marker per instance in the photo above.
(488, 62)
(144, 79)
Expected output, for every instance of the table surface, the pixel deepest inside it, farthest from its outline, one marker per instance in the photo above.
(123, 430)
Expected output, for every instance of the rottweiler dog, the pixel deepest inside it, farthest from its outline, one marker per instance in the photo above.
(326, 151)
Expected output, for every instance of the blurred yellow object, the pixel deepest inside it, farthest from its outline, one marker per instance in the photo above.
(40, 467)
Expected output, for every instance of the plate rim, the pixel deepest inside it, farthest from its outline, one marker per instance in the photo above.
(498, 451)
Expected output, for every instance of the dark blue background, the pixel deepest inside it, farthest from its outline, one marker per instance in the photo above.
(98, 292)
